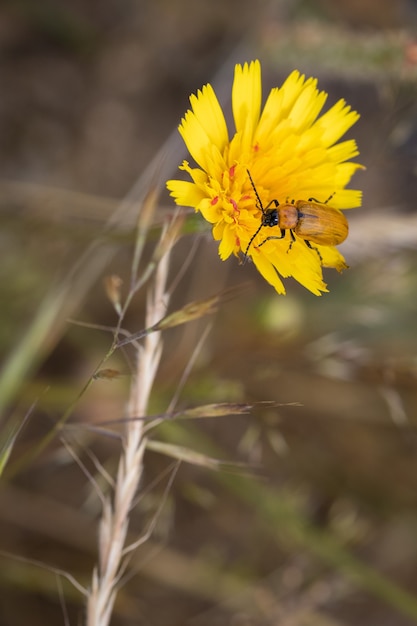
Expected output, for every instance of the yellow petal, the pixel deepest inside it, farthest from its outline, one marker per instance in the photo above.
(267, 270)
(208, 111)
(204, 128)
(227, 244)
(307, 107)
(246, 101)
(185, 193)
(343, 151)
(307, 268)
(332, 258)
(336, 122)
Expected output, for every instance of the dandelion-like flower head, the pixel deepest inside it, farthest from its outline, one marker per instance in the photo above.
(290, 153)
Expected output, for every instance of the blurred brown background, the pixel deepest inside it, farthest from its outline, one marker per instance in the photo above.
(92, 94)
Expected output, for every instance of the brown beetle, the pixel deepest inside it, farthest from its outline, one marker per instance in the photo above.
(310, 220)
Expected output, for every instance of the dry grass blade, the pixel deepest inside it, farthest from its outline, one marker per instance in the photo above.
(221, 409)
(115, 518)
(182, 453)
(113, 285)
(108, 373)
(144, 223)
(198, 308)
(7, 447)
(190, 312)
(41, 565)
(218, 409)
(169, 236)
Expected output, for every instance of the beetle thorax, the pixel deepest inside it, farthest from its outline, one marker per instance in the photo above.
(287, 216)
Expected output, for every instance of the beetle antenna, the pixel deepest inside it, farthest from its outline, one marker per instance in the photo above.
(251, 239)
(258, 200)
(259, 205)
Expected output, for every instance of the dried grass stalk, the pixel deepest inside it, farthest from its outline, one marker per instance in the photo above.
(115, 518)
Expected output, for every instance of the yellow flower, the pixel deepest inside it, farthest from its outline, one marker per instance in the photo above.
(290, 153)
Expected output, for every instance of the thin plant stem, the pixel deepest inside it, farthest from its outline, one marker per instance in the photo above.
(116, 511)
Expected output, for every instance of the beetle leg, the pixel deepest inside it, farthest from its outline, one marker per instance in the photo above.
(308, 244)
(318, 201)
(272, 202)
(272, 237)
(292, 240)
